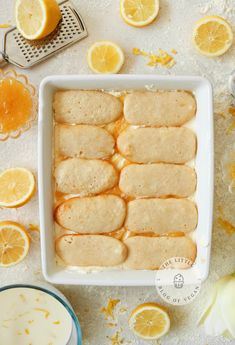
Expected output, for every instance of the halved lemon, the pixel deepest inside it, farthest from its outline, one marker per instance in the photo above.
(149, 321)
(105, 57)
(17, 186)
(36, 19)
(212, 36)
(14, 243)
(139, 13)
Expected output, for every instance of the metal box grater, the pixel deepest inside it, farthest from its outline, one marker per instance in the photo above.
(24, 53)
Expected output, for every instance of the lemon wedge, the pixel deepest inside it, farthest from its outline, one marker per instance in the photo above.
(212, 36)
(105, 57)
(36, 19)
(139, 13)
(17, 186)
(149, 321)
(14, 243)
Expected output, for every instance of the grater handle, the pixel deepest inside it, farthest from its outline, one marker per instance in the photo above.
(3, 62)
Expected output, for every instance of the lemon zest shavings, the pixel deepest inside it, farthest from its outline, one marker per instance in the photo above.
(46, 312)
(123, 310)
(5, 26)
(33, 227)
(226, 225)
(111, 324)
(109, 309)
(56, 322)
(161, 59)
(231, 111)
(116, 340)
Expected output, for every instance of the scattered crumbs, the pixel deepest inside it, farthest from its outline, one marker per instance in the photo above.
(27, 331)
(36, 273)
(30, 321)
(56, 322)
(110, 324)
(108, 311)
(33, 227)
(116, 340)
(231, 127)
(220, 210)
(161, 59)
(220, 114)
(231, 170)
(204, 9)
(5, 26)
(123, 310)
(46, 312)
(226, 225)
(22, 297)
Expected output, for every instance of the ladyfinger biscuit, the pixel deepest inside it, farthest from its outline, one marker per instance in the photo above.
(90, 250)
(161, 216)
(157, 180)
(86, 107)
(165, 108)
(83, 141)
(149, 253)
(84, 177)
(98, 214)
(153, 145)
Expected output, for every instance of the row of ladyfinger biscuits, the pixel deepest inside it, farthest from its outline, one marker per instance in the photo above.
(107, 213)
(165, 108)
(91, 177)
(139, 145)
(137, 252)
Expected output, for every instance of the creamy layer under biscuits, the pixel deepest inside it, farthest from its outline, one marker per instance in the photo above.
(149, 253)
(84, 177)
(98, 214)
(161, 216)
(159, 108)
(83, 141)
(83, 107)
(153, 145)
(90, 250)
(157, 180)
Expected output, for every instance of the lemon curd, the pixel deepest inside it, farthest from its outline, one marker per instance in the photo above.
(31, 316)
(16, 105)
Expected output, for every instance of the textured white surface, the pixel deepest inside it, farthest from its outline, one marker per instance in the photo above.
(171, 30)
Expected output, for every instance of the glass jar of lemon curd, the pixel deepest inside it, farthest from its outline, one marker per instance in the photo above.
(37, 314)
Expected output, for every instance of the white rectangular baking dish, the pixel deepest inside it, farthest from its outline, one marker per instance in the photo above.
(204, 165)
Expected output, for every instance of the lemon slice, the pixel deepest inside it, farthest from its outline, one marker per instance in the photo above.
(105, 57)
(17, 186)
(14, 243)
(36, 19)
(212, 36)
(139, 13)
(149, 321)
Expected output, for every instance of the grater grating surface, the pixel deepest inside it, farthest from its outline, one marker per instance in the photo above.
(24, 54)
